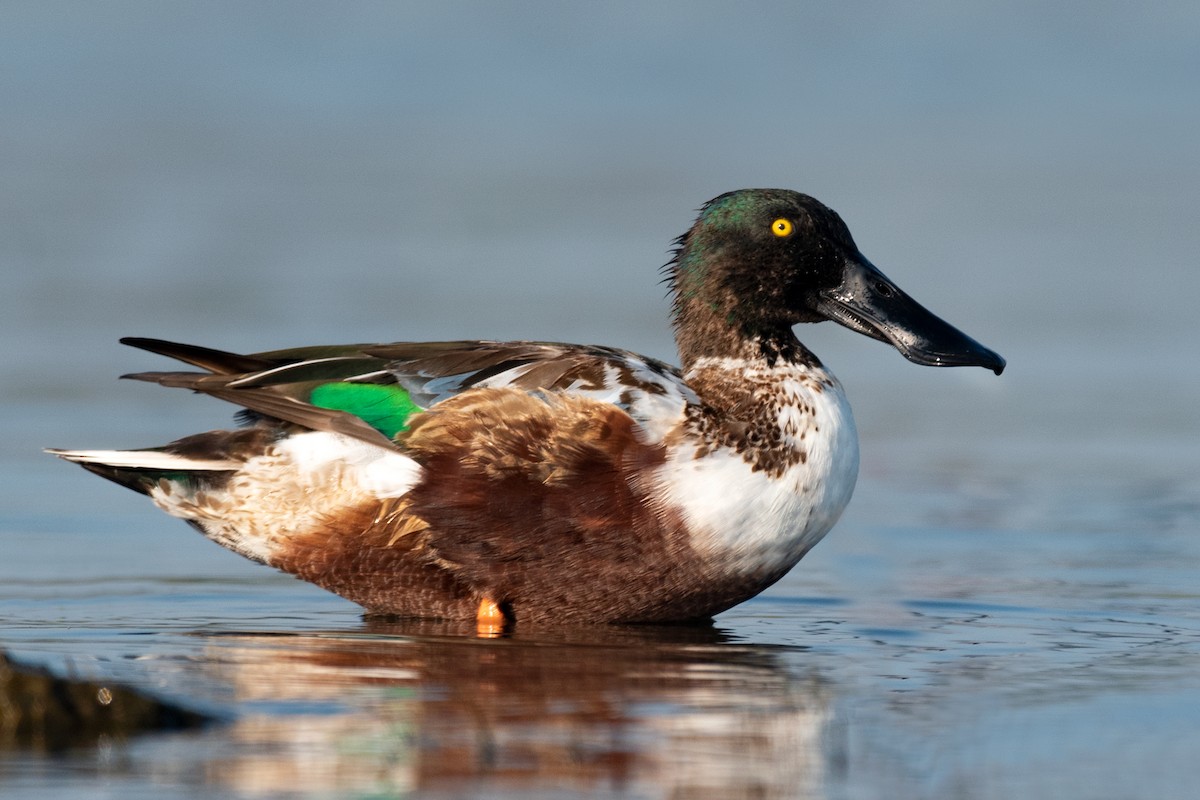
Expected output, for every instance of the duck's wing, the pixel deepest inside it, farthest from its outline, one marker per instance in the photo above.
(372, 391)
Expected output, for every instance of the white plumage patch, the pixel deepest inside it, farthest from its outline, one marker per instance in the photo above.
(376, 470)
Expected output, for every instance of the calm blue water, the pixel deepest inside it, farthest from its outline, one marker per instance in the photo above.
(1008, 609)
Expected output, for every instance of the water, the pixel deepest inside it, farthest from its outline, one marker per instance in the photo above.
(1008, 608)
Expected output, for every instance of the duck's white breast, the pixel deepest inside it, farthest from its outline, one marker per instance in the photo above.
(752, 520)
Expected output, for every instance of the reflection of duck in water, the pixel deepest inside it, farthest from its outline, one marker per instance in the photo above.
(632, 714)
(552, 482)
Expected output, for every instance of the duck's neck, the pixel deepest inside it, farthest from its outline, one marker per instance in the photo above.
(702, 332)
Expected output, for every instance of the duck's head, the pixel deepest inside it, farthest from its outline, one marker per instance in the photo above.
(758, 261)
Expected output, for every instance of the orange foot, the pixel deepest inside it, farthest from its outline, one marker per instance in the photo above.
(490, 620)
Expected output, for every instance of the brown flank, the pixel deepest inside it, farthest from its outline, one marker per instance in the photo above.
(537, 502)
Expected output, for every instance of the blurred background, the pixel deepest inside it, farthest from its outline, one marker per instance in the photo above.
(272, 174)
(251, 176)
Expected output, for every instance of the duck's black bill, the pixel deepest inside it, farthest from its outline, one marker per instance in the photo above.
(868, 302)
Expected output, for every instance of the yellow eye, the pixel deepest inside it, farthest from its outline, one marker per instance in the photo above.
(782, 228)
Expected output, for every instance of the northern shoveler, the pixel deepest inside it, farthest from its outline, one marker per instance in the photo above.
(555, 483)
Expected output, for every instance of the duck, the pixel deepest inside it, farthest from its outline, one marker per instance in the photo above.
(541, 483)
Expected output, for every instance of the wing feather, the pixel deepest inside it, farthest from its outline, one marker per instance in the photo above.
(279, 384)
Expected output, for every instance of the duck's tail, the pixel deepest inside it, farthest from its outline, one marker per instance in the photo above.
(257, 490)
(190, 478)
(142, 470)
